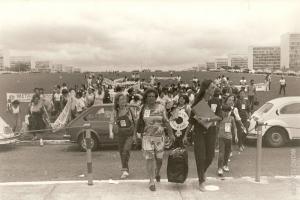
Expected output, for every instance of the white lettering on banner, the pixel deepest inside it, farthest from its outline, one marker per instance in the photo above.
(62, 119)
(23, 97)
(260, 87)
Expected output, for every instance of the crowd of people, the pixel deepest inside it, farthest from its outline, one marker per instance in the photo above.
(146, 111)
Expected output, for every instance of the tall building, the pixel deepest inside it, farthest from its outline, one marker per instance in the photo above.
(20, 63)
(290, 51)
(260, 57)
(221, 62)
(239, 60)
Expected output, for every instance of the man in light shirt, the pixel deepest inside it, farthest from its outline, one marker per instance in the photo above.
(243, 81)
(282, 85)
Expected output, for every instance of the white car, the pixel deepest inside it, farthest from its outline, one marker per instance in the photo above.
(282, 121)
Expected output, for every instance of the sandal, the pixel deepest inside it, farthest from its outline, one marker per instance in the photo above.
(152, 187)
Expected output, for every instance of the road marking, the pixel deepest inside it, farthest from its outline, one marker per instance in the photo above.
(110, 181)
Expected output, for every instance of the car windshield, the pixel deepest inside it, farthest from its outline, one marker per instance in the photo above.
(264, 109)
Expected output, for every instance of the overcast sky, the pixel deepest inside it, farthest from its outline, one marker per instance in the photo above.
(154, 34)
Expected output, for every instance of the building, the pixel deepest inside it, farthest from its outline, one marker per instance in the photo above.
(20, 63)
(210, 65)
(42, 66)
(221, 62)
(239, 60)
(290, 51)
(260, 57)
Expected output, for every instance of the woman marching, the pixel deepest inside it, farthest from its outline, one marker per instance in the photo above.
(204, 138)
(183, 106)
(36, 111)
(124, 120)
(153, 118)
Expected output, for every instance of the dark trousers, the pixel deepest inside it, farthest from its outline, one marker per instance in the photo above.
(204, 148)
(241, 135)
(224, 152)
(282, 87)
(125, 143)
(251, 102)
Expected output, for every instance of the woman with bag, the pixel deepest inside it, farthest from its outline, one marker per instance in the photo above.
(124, 125)
(152, 121)
(204, 136)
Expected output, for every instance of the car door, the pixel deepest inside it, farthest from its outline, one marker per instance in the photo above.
(290, 114)
(99, 119)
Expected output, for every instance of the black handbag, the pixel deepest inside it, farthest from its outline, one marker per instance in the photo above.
(177, 168)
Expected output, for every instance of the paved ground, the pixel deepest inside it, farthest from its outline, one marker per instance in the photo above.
(235, 189)
(66, 162)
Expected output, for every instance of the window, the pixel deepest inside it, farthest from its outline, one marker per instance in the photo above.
(98, 114)
(293, 108)
(265, 108)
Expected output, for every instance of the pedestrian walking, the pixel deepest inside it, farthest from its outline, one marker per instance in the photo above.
(226, 130)
(36, 121)
(204, 138)
(251, 94)
(15, 111)
(124, 125)
(154, 119)
(282, 85)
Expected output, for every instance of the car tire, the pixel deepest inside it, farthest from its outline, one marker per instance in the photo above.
(276, 137)
(94, 140)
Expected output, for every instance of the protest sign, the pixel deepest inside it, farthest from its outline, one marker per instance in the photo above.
(62, 119)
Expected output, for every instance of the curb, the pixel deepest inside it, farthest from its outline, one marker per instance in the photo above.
(46, 142)
(266, 180)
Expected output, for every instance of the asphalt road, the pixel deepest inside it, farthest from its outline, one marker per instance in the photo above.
(66, 162)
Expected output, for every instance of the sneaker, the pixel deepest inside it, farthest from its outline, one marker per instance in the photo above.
(220, 172)
(226, 168)
(241, 149)
(124, 175)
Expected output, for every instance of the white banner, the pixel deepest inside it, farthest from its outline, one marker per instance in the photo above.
(107, 81)
(260, 87)
(165, 78)
(23, 97)
(62, 119)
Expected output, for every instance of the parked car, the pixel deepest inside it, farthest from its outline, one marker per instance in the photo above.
(98, 117)
(282, 116)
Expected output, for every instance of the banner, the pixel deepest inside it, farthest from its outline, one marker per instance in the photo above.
(62, 119)
(260, 87)
(107, 81)
(23, 97)
(166, 78)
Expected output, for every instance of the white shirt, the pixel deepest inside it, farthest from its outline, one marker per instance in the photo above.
(282, 81)
(191, 98)
(57, 97)
(243, 82)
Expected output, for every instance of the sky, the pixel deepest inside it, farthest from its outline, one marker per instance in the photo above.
(169, 34)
